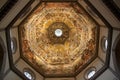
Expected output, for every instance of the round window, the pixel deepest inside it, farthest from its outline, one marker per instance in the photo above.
(104, 44)
(90, 73)
(29, 74)
(13, 45)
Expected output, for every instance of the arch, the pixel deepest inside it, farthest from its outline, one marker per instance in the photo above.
(116, 54)
(2, 57)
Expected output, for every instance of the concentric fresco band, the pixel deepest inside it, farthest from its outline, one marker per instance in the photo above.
(58, 38)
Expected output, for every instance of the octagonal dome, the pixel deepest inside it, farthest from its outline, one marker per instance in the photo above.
(58, 38)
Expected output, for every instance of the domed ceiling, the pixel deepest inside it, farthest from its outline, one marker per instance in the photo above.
(58, 38)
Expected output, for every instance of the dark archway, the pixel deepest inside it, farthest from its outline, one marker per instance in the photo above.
(117, 52)
(1, 56)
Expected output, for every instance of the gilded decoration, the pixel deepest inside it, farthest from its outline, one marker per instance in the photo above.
(58, 38)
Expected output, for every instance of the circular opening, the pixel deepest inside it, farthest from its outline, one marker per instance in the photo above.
(13, 45)
(29, 74)
(90, 73)
(104, 44)
(58, 32)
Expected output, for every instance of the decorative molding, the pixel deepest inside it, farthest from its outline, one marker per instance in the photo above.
(97, 73)
(8, 39)
(107, 61)
(5, 9)
(113, 8)
(84, 65)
